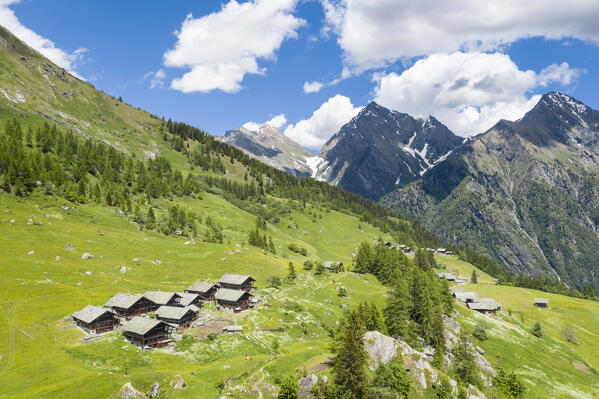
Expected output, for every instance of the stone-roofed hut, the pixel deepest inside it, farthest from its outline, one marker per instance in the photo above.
(236, 282)
(129, 305)
(163, 298)
(146, 333)
(465, 297)
(204, 289)
(333, 266)
(484, 307)
(177, 317)
(233, 329)
(95, 320)
(541, 302)
(232, 299)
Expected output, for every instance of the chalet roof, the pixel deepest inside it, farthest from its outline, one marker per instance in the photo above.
(173, 312)
(123, 301)
(226, 294)
(483, 306)
(485, 300)
(201, 286)
(233, 328)
(464, 296)
(141, 325)
(330, 263)
(160, 297)
(235, 279)
(454, 290)
(542, 300)
(187, 298)
(89, 313)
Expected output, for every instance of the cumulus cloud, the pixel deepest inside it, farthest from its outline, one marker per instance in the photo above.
(277, 121)
(156, 79)
(374, 32)
(312, 87)
(325, 121)
(44, 46)
(221, 48)
(469, 92)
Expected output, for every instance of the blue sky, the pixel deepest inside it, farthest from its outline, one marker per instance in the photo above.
(402, 56)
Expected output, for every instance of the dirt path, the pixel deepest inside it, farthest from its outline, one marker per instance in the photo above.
(581, 367)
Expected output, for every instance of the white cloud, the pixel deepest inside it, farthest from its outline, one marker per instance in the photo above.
(156, 78)
(45, 46)
(277, 121)
(374, 32)
(325, 121)
(312, 87)
(222, 47)
(469, 92)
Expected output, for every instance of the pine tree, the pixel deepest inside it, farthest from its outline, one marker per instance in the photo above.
(464, 365)
(271, 246)
(537, 330)
(289, 388)
(291, 274)
(397, 309)
(422, 309)
(474, 278)
(363, 258)
(319, 269)
(350, 358)
(150, 219)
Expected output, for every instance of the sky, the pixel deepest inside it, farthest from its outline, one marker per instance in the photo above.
(309, 66)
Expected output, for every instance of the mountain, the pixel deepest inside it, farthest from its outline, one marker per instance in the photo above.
(272, 147)
(380, 149)
(525, 193)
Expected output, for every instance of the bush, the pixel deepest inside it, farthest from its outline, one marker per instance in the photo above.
(480, 330)
(341, 291)
(297, 250)
(289, 388)
(510, 384)
(570, 334)
(537, 330)
(308, 265)
(319, 268)
(273, 282)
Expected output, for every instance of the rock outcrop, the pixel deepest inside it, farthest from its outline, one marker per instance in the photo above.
(128, 392)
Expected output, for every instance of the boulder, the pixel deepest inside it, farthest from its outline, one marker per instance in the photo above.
(123, 270)
(87, 255)
(380, 348)
(474, 393)
(128, 392)
(68, 247)
(156, 262)
(178, 382)
(30, 252)
(306, 383)
(155, 390)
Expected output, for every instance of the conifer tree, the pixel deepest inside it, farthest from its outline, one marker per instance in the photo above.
(150, 219)
(397, 309)
(271, 246)
(474, 278)
(537, 330)
(289, 388)
(363, 258)
(350, 358)
(291, 273)
(319, 268)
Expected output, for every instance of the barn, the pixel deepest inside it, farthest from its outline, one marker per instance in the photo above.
(95, 320)
(129, 305)
(177, 317)
(146, 333)
(233, 299)
(204, 289)
(236, 282)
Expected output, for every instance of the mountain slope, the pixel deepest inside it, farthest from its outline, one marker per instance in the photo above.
(272, 147)
(525, 192)
(379, 149)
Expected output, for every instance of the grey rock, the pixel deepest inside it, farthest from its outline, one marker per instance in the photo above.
(87, 255)
(128, 392)
(306, 383)
(178, 382)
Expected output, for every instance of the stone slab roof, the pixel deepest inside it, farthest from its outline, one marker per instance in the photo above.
(90, 313)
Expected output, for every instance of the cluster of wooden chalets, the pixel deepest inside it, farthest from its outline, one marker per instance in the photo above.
(474, 302)
(148, 319)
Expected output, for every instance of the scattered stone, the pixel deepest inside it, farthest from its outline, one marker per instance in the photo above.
(68, 247)
(11, 221)
(177, 337)
(88, 273)
(155, 390)
(58, 258)
(128, 392)
(156, 262)
(123, 270)
(325, 379)
(30, 252)
(187, 243)
(87, 255)
(226, 366)
(178, 382)
(30, 222)
(136, 259)
(480, 350)
(306, 383)
(474, 393)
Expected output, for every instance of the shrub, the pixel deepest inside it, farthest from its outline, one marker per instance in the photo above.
(308, 265)
(570, 334)
(273, 282)
(510, 384)
(537, 330)
(341, 291)
(480, 330)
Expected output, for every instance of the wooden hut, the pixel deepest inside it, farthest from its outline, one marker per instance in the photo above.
(541, 302)
(204, 289)
(333, 266)
(233, 329)
(177, 317)
(146, 333)
(129, 305)
(236, 282)
(232, 299)
(163, 298)
(465, 297)
(485, 307)
(95, 320)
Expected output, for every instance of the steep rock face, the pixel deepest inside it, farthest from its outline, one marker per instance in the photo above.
(525, 193)
(380, 149)
(272, 147)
